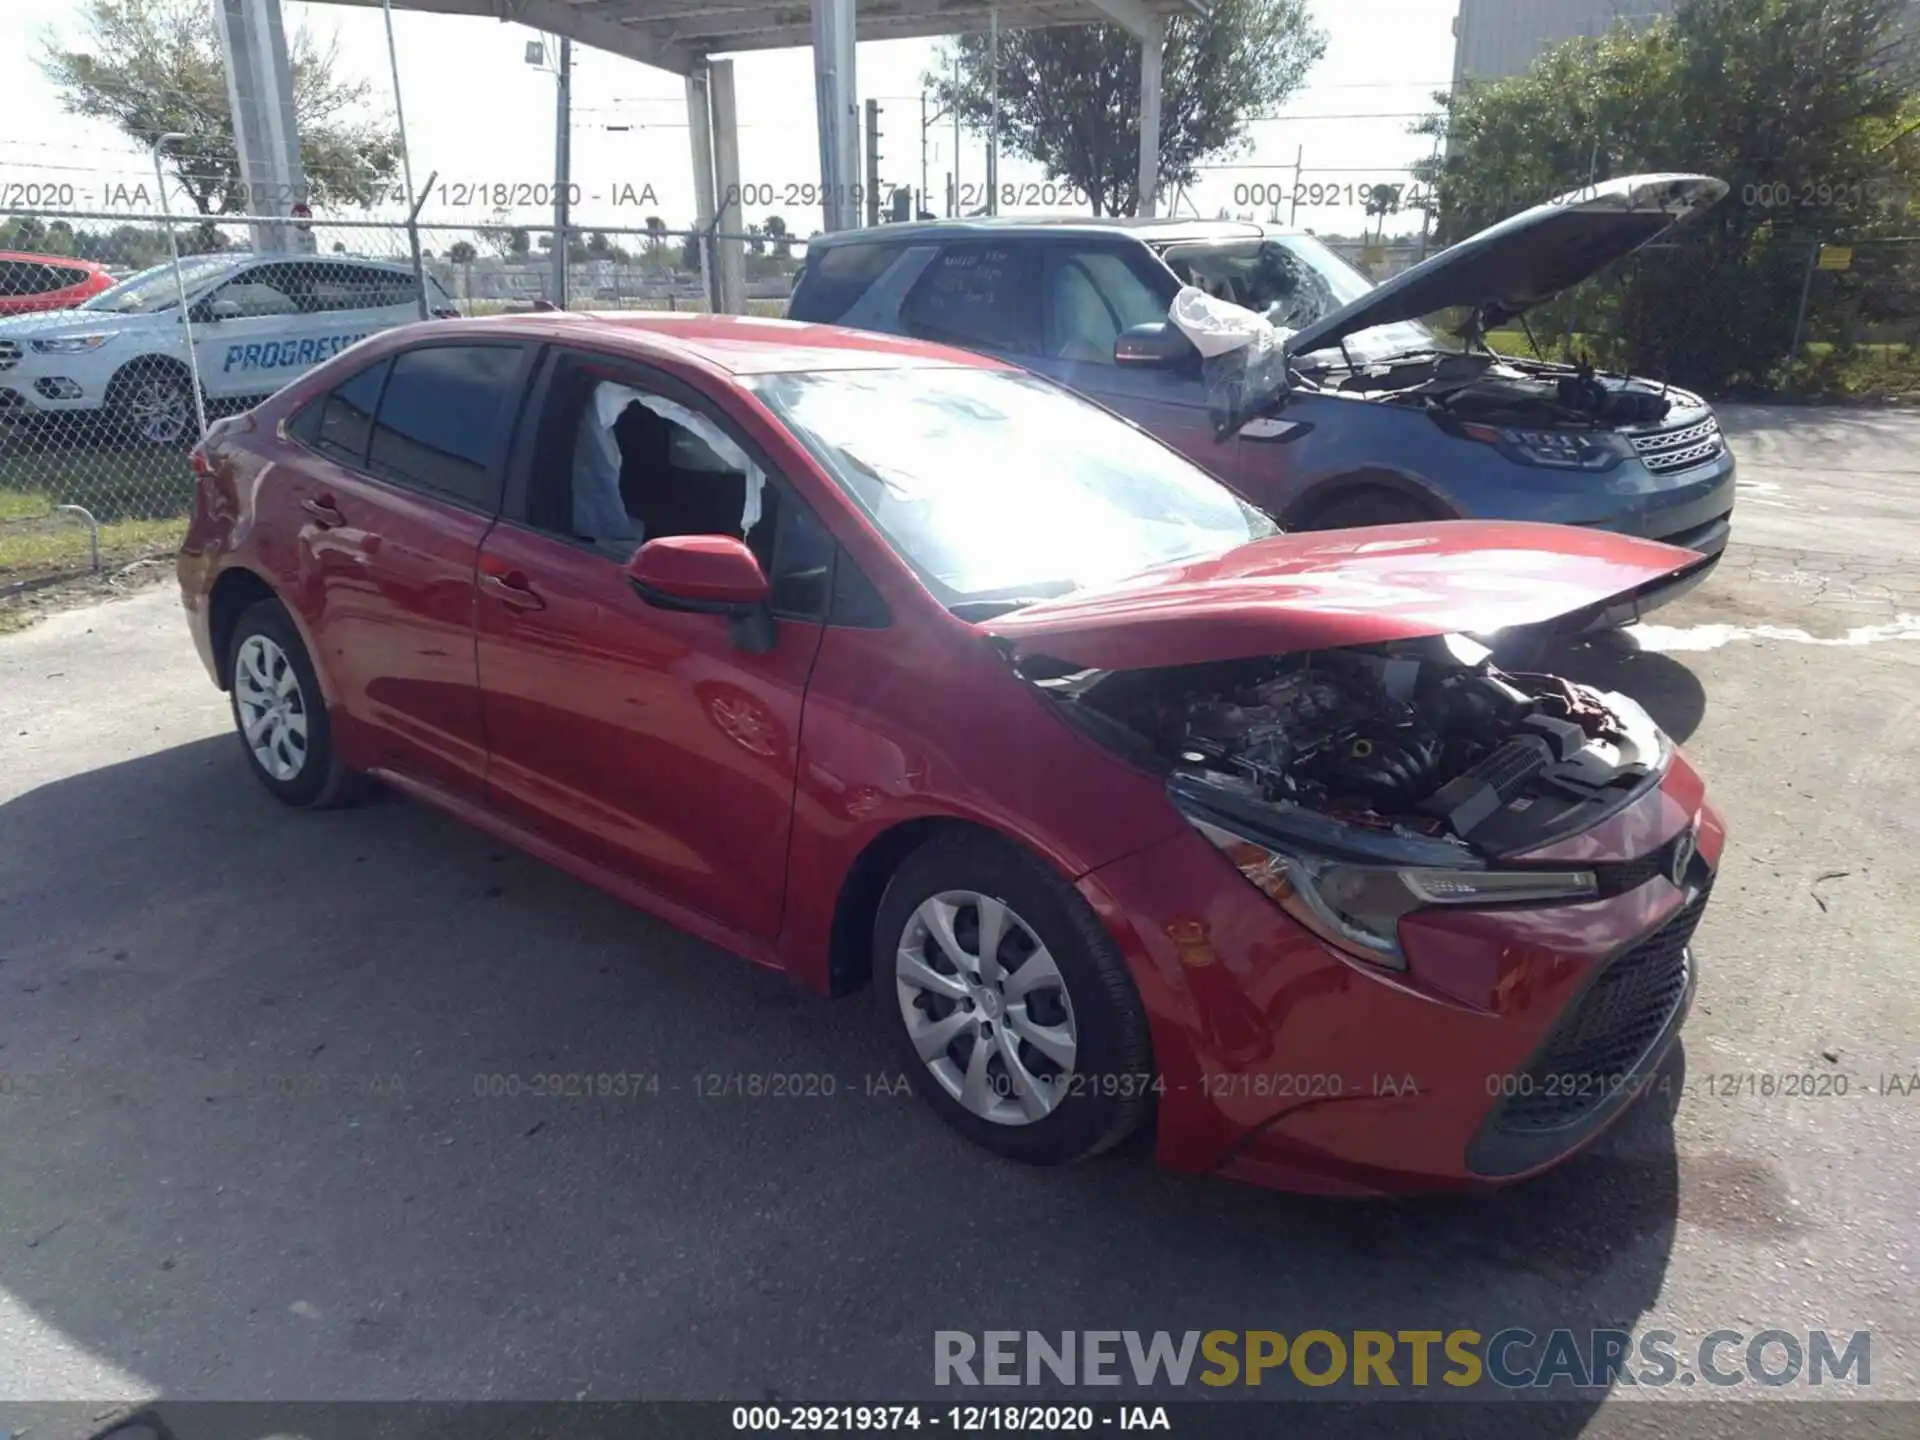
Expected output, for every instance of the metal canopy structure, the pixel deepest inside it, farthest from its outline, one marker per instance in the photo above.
(681, 36)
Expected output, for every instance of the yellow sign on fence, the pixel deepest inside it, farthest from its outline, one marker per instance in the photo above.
(1836, 257)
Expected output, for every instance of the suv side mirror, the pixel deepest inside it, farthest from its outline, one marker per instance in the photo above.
(1156, 345)
(219, 310)
(709, 575)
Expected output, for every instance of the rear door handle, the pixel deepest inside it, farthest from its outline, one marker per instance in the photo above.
(509, 587)
(323, 510)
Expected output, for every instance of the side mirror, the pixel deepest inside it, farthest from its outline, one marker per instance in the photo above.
(709, 575)
(1156, 345)
(221, 310)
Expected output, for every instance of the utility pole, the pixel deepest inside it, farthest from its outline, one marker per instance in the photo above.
(956, 135)
(923, 152)
(873, 162)
(1299, 159)
(562, 169)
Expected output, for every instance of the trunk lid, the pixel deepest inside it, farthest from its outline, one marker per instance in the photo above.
(1324, 589)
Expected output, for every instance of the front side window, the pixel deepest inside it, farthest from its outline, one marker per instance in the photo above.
(1092, 296)
(263, 290)
(981, 296)
(444, 419)
(999, 488)
(618, 463)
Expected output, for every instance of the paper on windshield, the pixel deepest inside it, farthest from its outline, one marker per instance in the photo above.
(1243, 356)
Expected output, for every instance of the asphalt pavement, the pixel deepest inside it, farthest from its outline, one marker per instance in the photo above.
(256, 1138)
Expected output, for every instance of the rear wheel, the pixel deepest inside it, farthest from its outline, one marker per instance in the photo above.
(279, 711)
(1011, 1006)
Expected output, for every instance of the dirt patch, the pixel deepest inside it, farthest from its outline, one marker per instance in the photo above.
(22, 604)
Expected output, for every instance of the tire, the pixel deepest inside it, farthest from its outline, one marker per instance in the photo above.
(150, 402)
(1360, 508)
(1104, 1090)
(271, 679)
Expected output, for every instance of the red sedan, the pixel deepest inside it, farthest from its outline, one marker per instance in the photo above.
(874, 661)
(47, 282)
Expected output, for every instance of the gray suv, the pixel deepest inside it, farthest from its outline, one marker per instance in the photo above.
(1371, 418)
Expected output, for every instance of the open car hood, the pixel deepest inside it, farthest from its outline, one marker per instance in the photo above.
(1324, 589)
(1526, 258)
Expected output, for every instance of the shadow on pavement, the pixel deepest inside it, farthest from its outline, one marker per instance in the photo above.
(274, 1133)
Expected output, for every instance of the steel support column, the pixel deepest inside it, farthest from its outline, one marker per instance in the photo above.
(726, 187)
(1152, 53)
(700, 134)
(837, 101)
(260, 90)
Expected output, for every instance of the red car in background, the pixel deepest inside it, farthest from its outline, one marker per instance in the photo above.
(871, 660)
(47, 282)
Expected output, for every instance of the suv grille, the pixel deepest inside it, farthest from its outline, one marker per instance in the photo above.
(9, 354)
(1665, 450)
(1601, 1042)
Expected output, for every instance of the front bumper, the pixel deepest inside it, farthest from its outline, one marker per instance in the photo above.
(1287, 1063)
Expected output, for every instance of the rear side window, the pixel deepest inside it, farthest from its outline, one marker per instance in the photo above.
(24, 277)
(69, 277)
(444, 419)
(340, 423)
(835, 277)
(983, 296)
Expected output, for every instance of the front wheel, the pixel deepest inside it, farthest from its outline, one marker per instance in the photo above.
(151, 403)
(1011, 1006)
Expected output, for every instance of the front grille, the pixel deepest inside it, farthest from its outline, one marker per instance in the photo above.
(9, 354)
(1676, 449)
(1603, 1039)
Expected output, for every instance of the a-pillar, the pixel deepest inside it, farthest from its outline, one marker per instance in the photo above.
(260, 90)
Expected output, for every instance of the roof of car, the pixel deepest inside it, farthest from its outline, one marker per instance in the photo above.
(1166, 231)
(742, 344)
(30, 257)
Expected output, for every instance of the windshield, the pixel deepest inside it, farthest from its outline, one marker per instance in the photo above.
(1294, 280)
(154, 289)
(999, 488)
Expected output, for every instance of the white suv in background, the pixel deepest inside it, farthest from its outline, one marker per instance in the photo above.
(258, 321)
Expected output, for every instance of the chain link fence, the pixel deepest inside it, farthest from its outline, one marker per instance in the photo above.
(104, 386)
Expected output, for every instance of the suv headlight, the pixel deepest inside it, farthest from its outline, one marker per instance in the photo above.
(1357, 908)
(72, 344)
(1554, 449)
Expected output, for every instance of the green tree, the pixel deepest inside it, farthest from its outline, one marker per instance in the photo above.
(153, 66)
(1383, 200)
(1070, 95)
(690, 251)
(461, 252)
(782, 238)
(1807, 109)
(656, 234)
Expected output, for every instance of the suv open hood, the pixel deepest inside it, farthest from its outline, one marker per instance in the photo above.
(1324, 589)
(1526, 258)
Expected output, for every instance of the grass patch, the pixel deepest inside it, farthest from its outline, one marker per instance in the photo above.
(140, 496)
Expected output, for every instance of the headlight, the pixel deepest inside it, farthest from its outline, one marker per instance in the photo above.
(71, 344)
(1554, 449)
(1358, 907)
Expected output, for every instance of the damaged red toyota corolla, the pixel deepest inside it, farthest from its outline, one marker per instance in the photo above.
(870, 660)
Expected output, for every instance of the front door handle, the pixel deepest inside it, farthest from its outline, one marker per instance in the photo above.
(322, 508)
(508, 586)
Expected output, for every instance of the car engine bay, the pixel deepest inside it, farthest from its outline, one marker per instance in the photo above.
(1418, 740)
(1503, 391)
